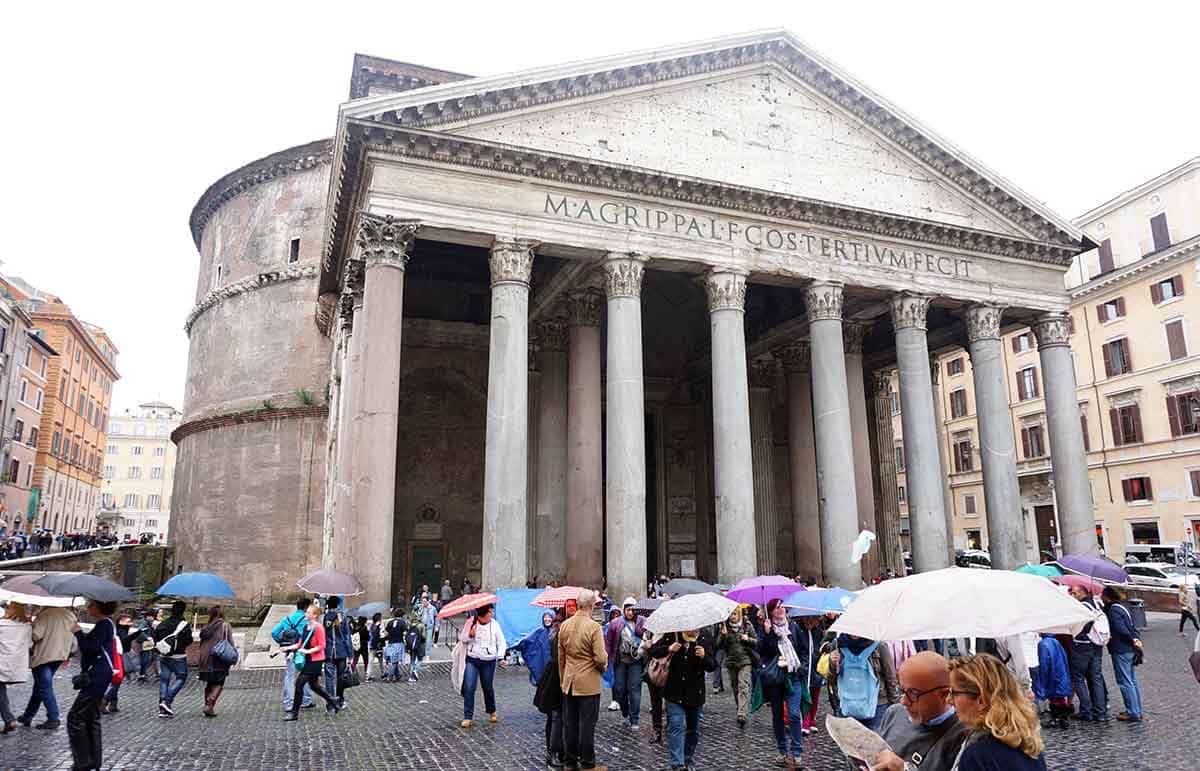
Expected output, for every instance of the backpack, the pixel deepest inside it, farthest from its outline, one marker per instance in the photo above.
(414, 639)
(629, 644)
(1100, 632)
(116, 661)
(858, 685)
(290, 635)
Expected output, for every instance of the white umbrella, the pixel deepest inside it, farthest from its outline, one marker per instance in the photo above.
(961, 602)
(692, 611)
(42, 600)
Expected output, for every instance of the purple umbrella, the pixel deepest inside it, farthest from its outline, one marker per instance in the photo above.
(329, 582)
(1094, 567)
(760, 590)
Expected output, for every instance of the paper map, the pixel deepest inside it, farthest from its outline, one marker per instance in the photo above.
(861, 744)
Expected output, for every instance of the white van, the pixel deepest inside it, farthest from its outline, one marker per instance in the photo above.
(1156, 552)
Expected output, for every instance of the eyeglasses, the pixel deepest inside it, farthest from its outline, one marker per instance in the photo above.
(953, 692)
(913, 694)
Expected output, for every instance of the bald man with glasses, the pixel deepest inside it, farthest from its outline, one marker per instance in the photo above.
(922, 730)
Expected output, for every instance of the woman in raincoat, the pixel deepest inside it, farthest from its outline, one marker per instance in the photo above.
(535, 648)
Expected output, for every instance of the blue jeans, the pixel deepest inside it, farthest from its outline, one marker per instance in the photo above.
(145, 659)
(171, 669)
(683, 732)
(1131, 693)
(43, 692)
(414, 665)
(289, 687)
(393, 657)
(627, 689)
(481, 672)
(795, 721)
(335, 669)
(1087, 676)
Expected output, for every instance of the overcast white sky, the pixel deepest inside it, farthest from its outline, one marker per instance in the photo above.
(118, 116)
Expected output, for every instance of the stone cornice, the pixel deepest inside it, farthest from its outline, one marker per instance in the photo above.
(471, 100)
(224, 420)
(1176, 253)
(248, 284)
(280, 164)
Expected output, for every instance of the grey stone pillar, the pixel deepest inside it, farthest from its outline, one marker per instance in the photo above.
(384, 244)
(997, 450)
(926, 506)
(505, 465)
(883, 457)
(939, 419)
(836, 482)
(585, 463)
(762, 452)
(1076, 523)
(864, 488)
(733, 473)
(625, 498)
(802, 460)
(551, 510)
(533, 455)
(342, 526)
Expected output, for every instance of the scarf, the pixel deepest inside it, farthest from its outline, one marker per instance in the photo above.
(786, 651)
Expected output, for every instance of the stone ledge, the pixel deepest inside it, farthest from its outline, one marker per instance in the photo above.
(248, 284)
(248, 416)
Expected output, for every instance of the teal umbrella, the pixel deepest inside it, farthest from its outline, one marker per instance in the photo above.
(1045, 571)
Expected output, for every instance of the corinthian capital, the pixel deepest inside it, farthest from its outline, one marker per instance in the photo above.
(511, 261)
(385, 240)
(623, 274)
(881, 382)
(762, 372)
(796, 356)
(726, 288)
(1052, 329)
(983, 322)
(552, 332)
(584, 307)
(823, 300)
(853, 334)
(908, 311)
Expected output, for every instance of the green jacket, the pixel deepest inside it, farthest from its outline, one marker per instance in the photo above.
(737, 651)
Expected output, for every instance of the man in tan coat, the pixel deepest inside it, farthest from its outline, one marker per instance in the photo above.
(581, 661)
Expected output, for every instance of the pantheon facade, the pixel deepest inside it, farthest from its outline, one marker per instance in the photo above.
(599, 320)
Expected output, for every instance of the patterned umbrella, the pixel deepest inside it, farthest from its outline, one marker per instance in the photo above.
(330, 582)
(760, 590)
(465, 603)
(556, 596)
(692, 611)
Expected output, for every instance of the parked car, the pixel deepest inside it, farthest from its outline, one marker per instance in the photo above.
(1163, 574)
(973, 558)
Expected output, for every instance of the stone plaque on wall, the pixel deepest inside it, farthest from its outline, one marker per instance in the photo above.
(682, 504)
(427, 531)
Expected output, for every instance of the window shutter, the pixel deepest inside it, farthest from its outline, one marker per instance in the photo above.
(1173, 416)
(1016, 343)
(1101, 314)
(1106, 349)
(1148, 488)
(1087, 444)
(948, 370)
(1120, 307)
(1127, 489)
(1156, 293)
(1158, 229)
(1114, 417)
(1033, 381)
(1025, 442)
(1020, 387)
(1177, 281)
(1195, 475)
(1128, 356)
(1136, 416)
(1176, 345)
(1106, 257)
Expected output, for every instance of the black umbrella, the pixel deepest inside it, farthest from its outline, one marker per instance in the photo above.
(85, 585)
(679, 587)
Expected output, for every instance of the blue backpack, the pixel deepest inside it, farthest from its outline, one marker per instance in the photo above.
(858, 685)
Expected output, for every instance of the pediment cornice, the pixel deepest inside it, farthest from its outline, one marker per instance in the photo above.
(364, 136)
(457, 103)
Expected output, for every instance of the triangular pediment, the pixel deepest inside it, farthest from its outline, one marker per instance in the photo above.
(760, 110)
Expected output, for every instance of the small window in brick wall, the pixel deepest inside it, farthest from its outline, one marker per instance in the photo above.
(294, 251)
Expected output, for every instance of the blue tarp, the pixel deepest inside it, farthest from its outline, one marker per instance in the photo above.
(516, 614)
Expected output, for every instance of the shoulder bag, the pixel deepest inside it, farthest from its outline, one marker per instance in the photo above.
(657, 670)
(225, 651)
(298, 657)
(164, 647)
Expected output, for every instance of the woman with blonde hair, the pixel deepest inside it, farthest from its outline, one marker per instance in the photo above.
(1004, 729)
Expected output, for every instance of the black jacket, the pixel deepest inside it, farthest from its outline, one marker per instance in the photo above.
(180, 642)
(768, 647)
(685, 673)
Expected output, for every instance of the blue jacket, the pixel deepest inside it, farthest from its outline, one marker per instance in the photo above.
(1053, 679)
(294, 620)
(338, 642)
(1120, 627)
(536, 650)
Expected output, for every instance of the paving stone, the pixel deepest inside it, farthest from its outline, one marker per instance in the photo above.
(415, 726)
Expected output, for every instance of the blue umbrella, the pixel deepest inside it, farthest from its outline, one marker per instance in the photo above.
(517, 614)
(817, 602)
(196, 585)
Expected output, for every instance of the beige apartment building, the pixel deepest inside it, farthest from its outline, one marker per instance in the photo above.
(1135, 317)
(139, 469)
(24, 357)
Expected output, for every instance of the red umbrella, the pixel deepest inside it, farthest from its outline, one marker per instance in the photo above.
(465, 603)
(557, 596)
(1095, 587)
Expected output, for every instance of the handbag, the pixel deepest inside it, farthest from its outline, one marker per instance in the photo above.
(657, 670)
(825, 666)
(349, 679)
(299, 658)
(225, 652)
(772, 675)
(164, 647)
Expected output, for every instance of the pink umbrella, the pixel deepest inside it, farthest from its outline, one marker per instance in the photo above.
(760, 590)
(1095, 587)
(465, 603)
(556, 596)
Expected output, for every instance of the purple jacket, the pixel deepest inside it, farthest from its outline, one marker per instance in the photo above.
(612, 635)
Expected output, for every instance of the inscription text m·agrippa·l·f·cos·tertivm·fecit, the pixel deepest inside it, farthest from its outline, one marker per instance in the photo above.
(758, 236)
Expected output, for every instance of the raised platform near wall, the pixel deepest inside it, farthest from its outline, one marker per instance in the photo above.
(142, 568)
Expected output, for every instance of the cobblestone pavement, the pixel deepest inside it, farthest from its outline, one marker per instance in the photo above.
(415, 726)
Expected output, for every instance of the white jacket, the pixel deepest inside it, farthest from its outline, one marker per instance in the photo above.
(16, 637)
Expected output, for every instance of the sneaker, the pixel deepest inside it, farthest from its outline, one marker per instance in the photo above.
(416, 677)
(813, 729)
(25, 721)
(162, 705)
(467, 723)
(633, 726)
(291, 716)
(613, 706)
(805, 731)
(50, 725)
(494, 718)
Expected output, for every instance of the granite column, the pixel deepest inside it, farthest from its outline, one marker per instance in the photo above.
(762, 452)
(864, 488)
(585, 463)
(551, 482)
(802, 460)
